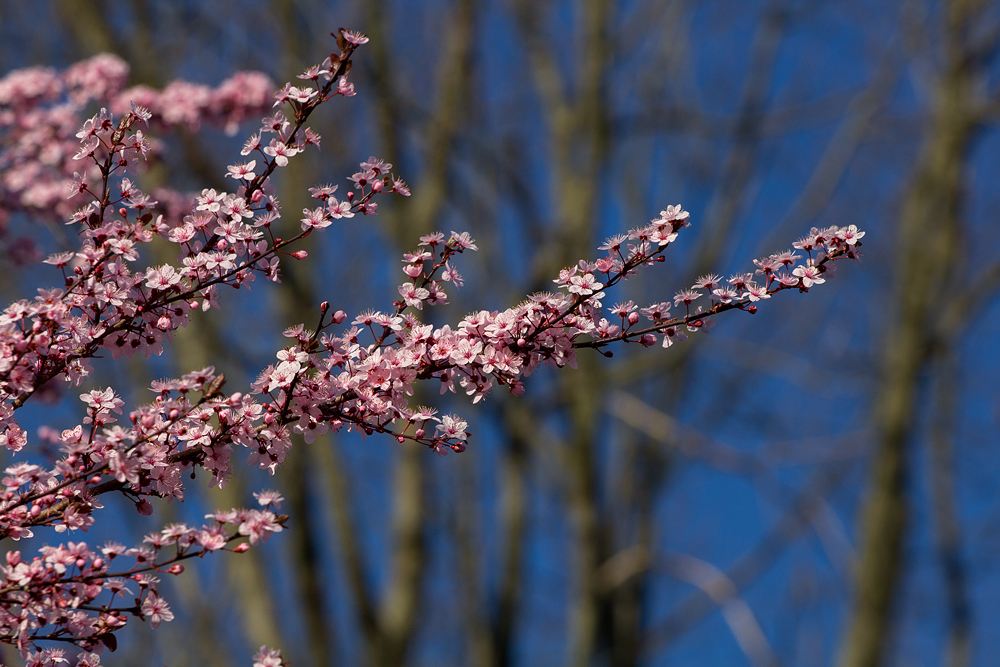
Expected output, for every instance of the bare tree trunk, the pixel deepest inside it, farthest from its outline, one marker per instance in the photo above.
(946, 517)
(927, 243)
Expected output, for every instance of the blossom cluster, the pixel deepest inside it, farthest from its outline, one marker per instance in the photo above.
(41, 110)
(359, 375)
(363, 378)
(53, 597)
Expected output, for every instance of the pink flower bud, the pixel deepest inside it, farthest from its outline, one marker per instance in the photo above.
(648, 340)
(339, 317)
(420, 433)
(241, 547)
(144, 507)
(633, 318)
(300, 254)
(176, 568)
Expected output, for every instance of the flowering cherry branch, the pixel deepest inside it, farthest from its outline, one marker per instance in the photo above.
(53, 598)
(740, 291)
(360, 378)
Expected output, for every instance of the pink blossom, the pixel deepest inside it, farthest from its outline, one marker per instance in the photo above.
(269, 498)
(315, 219)
(259, 525)
(413, 295)
(156, 610)
(280, 151)
(810, 275)
(267, 657)
(850, 234)
(242, 170)
(584, 284)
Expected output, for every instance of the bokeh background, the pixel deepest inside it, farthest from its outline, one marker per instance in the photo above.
(812, 485)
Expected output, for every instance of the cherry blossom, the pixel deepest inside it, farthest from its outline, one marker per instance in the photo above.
(358, 376)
